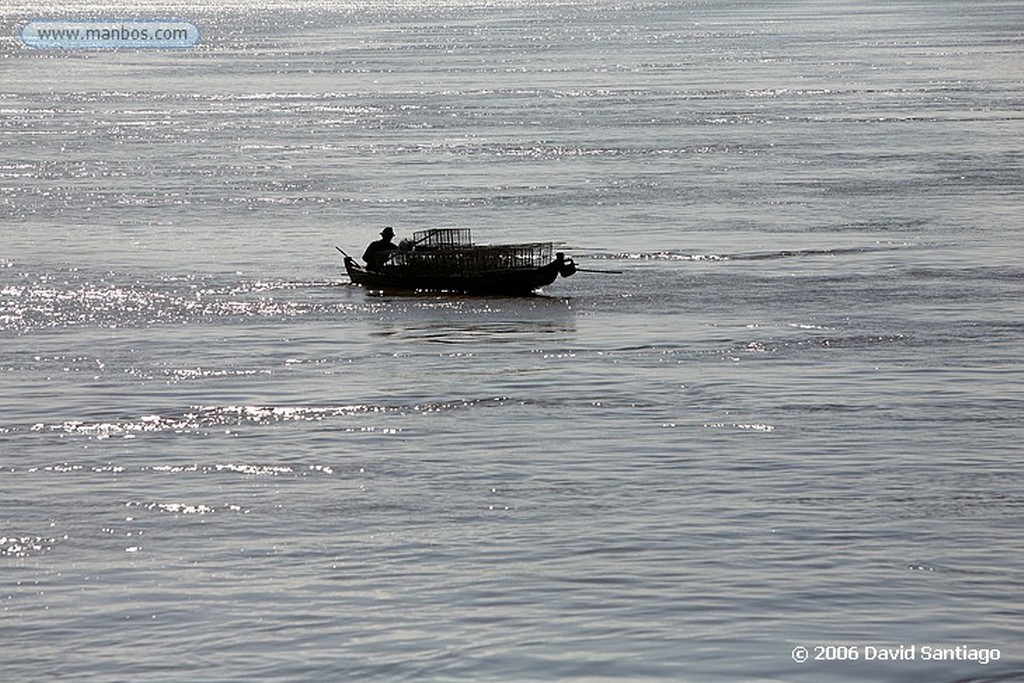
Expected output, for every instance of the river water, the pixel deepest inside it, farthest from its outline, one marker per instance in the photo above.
(793, 421)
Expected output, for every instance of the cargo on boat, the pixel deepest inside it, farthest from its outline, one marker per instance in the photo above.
(446, 260)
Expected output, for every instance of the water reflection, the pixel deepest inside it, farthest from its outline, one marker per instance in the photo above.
(468, 320)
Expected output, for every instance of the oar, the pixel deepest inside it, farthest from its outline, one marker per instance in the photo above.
(342, 251)
(598, 270)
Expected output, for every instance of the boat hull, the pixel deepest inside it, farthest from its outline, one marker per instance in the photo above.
(509, 282)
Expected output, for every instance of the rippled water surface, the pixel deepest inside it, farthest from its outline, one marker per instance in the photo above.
(792, 421)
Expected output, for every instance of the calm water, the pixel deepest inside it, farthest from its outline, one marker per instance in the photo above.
(794, 421)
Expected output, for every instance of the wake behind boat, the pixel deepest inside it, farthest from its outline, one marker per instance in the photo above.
(446, 260)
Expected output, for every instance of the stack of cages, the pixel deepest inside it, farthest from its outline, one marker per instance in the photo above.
(432, 252)
(450, 251)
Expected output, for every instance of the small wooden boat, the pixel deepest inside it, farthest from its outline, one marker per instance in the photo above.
(446, 260)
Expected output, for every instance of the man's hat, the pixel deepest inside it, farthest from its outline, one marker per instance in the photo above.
(387, 232)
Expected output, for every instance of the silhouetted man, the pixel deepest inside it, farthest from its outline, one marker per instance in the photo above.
(379, 250)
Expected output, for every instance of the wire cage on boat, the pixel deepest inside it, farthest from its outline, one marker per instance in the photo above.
(462, 259)
(442, 238)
